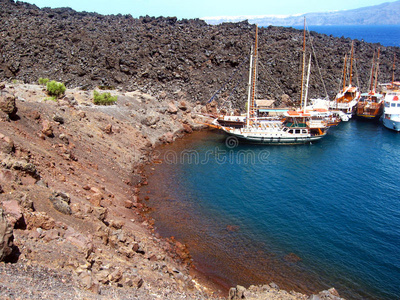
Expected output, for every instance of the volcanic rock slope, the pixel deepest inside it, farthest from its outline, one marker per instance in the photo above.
(173, 56)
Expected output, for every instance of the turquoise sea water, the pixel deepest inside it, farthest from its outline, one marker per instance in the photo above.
(308, 217)
(386, 35)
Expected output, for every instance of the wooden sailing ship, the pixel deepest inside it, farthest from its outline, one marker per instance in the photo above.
(295, 127)
(346, 100)
(370, 105)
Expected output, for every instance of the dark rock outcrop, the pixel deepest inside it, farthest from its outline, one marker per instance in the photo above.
(273, 292)
(61, 202)
(7, 103)
(179, 59)
(6, 144)
(6, 237)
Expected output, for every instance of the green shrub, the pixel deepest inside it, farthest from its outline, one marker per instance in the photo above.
(43, 81)
(103, 99)
(17, 81)
(55, 88)
(50, 99)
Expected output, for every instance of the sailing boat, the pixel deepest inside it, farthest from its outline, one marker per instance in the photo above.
(391, 112)
(370, 105)
(346, 100)
(296, 127)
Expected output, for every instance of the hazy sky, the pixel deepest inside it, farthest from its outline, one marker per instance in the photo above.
(206, 8)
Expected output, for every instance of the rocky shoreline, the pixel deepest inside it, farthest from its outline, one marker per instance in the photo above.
(71, 221)
(68, 176)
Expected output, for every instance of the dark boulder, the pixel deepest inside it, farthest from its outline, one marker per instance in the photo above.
(6, 237)
(61, 202)
(7, 103)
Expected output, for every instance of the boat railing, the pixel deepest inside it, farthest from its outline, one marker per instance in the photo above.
(375, 105)
(341, 105)
(316, 124)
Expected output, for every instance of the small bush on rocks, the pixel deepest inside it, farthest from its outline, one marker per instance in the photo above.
(50, 99)
(43, 81)
(103, 99)
(55, 88)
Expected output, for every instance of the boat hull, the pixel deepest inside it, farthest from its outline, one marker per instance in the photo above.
(391, 124)
(368, 117)
(370, 114)
(369, 110)
(233, 124)
(275, 140)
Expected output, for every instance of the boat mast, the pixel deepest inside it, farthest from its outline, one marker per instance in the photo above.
(394, 67)
(307, 82)
(351, 62)
(249, 87)
(253, 96)
(377, 69)
(371, 84)
(252, 81)
(344, 72)
(304, 61)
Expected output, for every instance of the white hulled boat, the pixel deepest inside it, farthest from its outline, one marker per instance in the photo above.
(320, 108)
(391, 111)
(295, 127)
(346, 100)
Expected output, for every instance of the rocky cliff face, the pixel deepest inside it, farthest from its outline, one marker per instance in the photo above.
(169, 56)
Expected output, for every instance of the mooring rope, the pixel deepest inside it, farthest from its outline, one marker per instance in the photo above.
(316, 61)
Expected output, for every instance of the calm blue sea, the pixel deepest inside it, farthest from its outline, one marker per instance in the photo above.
(386, 35)
(307, 217)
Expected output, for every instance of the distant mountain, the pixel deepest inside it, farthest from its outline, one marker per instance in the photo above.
(382, 14)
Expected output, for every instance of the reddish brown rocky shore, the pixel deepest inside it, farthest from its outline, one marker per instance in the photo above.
(71, 224)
